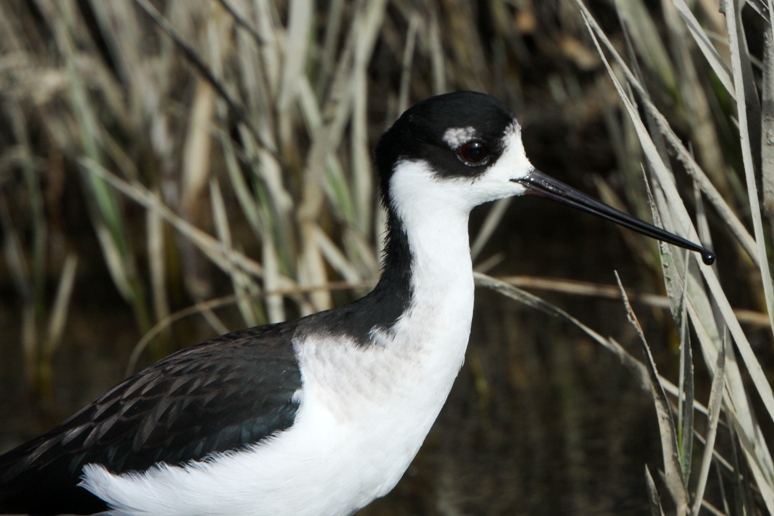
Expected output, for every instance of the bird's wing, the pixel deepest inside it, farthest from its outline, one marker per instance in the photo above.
(221, 395)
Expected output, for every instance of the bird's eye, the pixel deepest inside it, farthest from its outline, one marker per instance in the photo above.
(473, 153)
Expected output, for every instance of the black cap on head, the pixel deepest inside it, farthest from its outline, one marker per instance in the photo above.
(419, 134)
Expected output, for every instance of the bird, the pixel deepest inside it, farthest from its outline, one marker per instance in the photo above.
(323, 414)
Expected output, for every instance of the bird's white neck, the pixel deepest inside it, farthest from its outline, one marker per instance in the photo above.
(437, 233)
(436, 226)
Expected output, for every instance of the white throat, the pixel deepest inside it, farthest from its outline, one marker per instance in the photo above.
(435, 215)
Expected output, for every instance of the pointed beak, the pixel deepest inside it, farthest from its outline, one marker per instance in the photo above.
(540, 184)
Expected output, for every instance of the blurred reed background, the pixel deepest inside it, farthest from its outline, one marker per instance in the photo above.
(172, 170)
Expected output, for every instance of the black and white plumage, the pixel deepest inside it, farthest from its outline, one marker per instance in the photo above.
(321, 415)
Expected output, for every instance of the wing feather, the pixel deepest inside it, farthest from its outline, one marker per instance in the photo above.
(221, 395)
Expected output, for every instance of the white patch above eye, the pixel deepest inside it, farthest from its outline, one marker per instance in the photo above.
(454, 137)
(511, 131)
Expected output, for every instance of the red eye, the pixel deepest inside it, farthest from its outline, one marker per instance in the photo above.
(473, 153)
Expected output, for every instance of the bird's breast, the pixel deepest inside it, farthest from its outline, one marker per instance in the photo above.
(377, 402)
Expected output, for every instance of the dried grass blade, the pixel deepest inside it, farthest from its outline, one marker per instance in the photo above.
(437, 57)
(275, 306)
(197, 150)
(713, 407)
(121, 35)
(157, 263)
(243, 22)
(247, 202)
(332, 34)
(408, 58)
(705, 46)
(296, 47)
(655, 502)
(581, 288)
(312, 267)
(336, 258)
(240, 282)
(60, 308)
(767, 124)
(693, 96)
(701, 314)
(751, 450)
(742, 83)
(722, 489)
(362, 175)
(56, 324)
(702, 224)
(646, 38)
(714, 511)
(669, 446)
(206, 243)
(685, 384)
(9, 31)
(236, 107)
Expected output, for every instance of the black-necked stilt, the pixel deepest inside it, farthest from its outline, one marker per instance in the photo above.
(323, 414)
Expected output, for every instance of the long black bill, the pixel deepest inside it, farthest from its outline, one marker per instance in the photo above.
(540, 184)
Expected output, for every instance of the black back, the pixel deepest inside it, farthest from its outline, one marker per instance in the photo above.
(221, 395)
